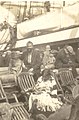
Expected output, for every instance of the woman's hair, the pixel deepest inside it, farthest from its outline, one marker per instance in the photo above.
(46, 74)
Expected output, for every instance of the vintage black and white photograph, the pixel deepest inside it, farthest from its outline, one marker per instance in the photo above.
(39, 60)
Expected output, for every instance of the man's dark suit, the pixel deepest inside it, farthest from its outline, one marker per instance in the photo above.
(63, 61)
(35, 62)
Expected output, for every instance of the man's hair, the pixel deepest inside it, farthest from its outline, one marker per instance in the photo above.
(29, 42)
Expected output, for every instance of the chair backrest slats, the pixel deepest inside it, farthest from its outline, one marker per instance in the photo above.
(2, 93)
(26, 113)
(22, 83)
(14, 118)
(23, 113)
(17, 113)
(26, 81)
(57, 81)
(66, 76)
(32, 80)
(20, 113)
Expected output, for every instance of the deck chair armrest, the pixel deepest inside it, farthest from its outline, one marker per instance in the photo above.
(27, 91)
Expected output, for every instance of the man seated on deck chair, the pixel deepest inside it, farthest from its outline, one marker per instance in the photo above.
(32, 60)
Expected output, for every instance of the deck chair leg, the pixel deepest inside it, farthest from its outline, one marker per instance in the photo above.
(16, 98)
(2, 92)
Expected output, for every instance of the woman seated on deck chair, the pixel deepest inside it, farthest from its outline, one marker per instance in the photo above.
(45, 98)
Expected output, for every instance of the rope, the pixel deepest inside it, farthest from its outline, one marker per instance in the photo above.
(24, 13)
(6, 29)
(3, 35)
(9, 10)
(19, 4)
(5, 38)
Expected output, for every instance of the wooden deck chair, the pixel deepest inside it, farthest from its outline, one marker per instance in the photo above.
(10, 86)
(55, 75)
(66, 77)
(10, 90)
(3, 97)
(19, 111)
(26, 82)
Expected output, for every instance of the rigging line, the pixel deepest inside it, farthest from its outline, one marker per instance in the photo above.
(73, 4)
(7, 18)
(5, 39)
(19, 13)
(8, 26)
(6, 42)
(1, 46)
(9, 10)
(7, 36)
(3, 35)
(6, 29)
(24, 13)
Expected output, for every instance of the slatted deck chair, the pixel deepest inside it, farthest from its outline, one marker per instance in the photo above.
(67, 82)
(3, 97)
(10, 87)
(26, 82)
(66, 76)
(19, 111)
(55, 75)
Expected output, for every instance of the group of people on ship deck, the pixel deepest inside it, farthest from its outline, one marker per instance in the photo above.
(40, 64)
(35, 60)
